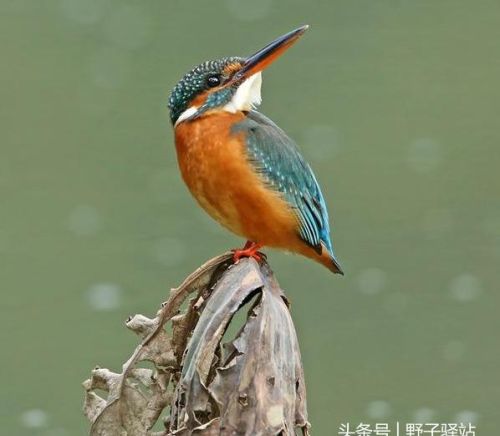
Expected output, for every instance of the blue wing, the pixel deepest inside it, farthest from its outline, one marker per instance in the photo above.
(278, 159)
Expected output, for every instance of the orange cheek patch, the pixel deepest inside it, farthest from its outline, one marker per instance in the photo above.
(230, 69)
(199, 100)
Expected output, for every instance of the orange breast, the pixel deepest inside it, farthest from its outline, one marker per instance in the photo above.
(214, 166)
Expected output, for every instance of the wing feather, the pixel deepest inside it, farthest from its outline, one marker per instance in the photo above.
(277, 158)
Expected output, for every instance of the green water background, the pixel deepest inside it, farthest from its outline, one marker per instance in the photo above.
(394, 103)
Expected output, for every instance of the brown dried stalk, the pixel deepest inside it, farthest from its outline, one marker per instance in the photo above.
(251, 385)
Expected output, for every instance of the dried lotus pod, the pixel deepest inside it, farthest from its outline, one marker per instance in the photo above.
(250, 385)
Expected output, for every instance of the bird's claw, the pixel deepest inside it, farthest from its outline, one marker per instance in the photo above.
(249, 250)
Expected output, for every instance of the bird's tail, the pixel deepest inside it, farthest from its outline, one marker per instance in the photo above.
(324, 256)
(328, 259)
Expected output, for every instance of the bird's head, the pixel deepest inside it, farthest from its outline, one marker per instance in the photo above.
(231, 84)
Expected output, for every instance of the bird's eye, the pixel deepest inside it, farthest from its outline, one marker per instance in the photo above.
(213, 80)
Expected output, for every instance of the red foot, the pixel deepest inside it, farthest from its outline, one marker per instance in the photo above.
(251, 249)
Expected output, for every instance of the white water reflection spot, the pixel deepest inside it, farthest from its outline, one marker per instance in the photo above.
(465, 288)
(424, 155)
(371, 281)
(322, 142)
(454, 351)
(466, 416)
(104, 296)
(84, 220)
(378, 409)
(34, 418)
(423, 415)
(170, 251)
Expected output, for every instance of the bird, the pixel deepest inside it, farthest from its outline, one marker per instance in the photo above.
(243, 169)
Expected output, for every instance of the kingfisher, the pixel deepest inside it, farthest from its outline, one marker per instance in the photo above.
(242, 169)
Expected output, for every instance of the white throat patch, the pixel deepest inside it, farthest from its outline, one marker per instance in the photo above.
(247, 96)
(189, 112)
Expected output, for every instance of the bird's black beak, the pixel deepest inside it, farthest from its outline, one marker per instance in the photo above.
(265, 56)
